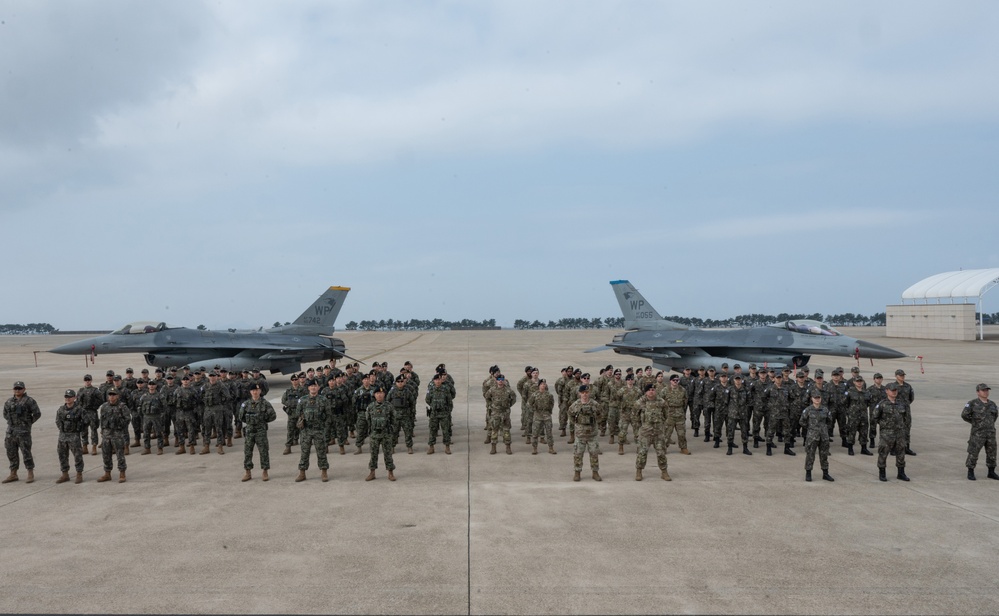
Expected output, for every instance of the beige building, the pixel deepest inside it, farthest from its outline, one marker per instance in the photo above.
(943, 306)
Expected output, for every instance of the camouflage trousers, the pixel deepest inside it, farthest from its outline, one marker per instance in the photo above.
(975, 444)
(778, 422)
(760, 420)
(628, 418)
(383, 442)
(187, 428)
(114, 444)
(225, 422)
(856, 424)
(361, 432)
(542, 427)
(652, 435)
(734, 421)
(15, 442)
(309, 438)
(720, 418)
(440, 420)
(614, 420)
(889, 443)
(499, 426)
(524, 421)
(709, 421)
(212, 421)
(69, 443)
(258, 438)
(586, 442)
(406, 425)
(563, 416)
(839, 419)
(150, 427)
(602, 415)
(678, 423)
(90, 427)
(811, 444)
(167, 418)
(293, 432)
(136, 428)
(695, 417)
(338, 430)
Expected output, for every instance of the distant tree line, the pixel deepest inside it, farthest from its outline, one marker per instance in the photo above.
(420, 324)
(30, 328)
(743, 320)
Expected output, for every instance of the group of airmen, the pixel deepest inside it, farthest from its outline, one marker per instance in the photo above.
(763, 405)
(324, 407)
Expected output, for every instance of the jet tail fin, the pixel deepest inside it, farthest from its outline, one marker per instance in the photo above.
(320, 316)
(639, 313)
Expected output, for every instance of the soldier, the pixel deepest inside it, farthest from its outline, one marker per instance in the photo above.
(529, 390)
(571, 385)
(906, 397)
(627, 397)
(379, 421)
(261, 380)
(362, 399)
(20, 411)
(652, 411)
(107, 384)
(488, 384)
(69, 418)
(186, 401)
(129, 382)
(523, 398)
(737, 415)
(151, 407)
(701, 383)
(709, 407)
(289, 403)
(757, 384)
(169, 408)
(255, 414)
(438, 400)
(675, 398)
(778, 398)
(215, 397)
(131, 401)
(339, 404)
(838, 389)
(876, 393)
(981, 413)
(719, 399)
(800, 399)
(584, 379)
(583, 414)
(542, 402)
(313, 411)
(401, 398)
(890, 415)
(114, 418)
(500, 400)
(90, 399)
(815, 421)
(857, 403)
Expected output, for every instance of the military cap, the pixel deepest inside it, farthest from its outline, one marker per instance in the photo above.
(223, 371)
(380, 389)
(583, 388)
(675, 377)
(253, 386)
(112, 391)
(311, 382)
(185, 378)
(145, 371)
(159, 371)
(170, 377)
(779, 375)
(255, 370)
(576, 371)
(723, 375)
(900, 372)
(609, 367)
(686, 367)
(801, 374)
(737, 377)
(569, 368)
(737, 367)
(585, 375)
(152, 383)
(645, 389)
(438, 376)
(18, 384)
(213, 373)
(819, 373)
(805, 369)
(87, 377)
(117, 377)
(187, 368)
(837, 370)
(752, 366)
(816, 394)
(440, 367)
(129, 371)
(69, 394)
(982, 387)
(892, 386)
(700, 367)
(493, 369)
(630, 377)
(400, 379)
(725, 365)
(617, 371)
(855, 370)
(878, 375)
(172, 369)
(711, 368)
(109, 373)
(540, 381)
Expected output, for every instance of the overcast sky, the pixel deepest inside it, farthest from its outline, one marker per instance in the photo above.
(222, 163)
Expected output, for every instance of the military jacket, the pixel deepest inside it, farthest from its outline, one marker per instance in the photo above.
(69, 421)
(215, 395)
(738, 401)
(115, 419)
(488, 384)
(816, 422)
(289, 400)
(584, 416)
(90, 398)
(380, 418)
(151, 405)
(20, 414)
(313, 412)
(626, 398)
(675, 399)
(857, 400)
(778, 398)
(401, 399)
(439, 399)
(981, 416)
(651, 412)
(542, 403)
(890, 417)
(186, 399)
(256, 414)
(500, 399)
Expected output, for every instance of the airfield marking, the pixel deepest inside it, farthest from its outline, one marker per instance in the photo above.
(393, 348)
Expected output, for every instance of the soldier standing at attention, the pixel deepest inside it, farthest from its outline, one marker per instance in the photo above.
(380, 423)
(186, 400)
(114, 419)
(20, 411)
(151, 407)
(530, 388)
(906, 397)
(877, 394)
(69, 418)
(90, 399)
(857, 402)
(255, 414)
(720, 397)
(500, 400)
(521, 384)
(215, 396)
(583, 414)
(313, 411)
(890, 415)
(816, 421)
(488, 384)
(400, 397)
(675, 397)
(625, 399)
(778, 397)
(981, 413)
(289, 402)
(738, 415)
(652, 411)
(439, 401)
(542, 402)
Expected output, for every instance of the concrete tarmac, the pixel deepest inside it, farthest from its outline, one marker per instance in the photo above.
(508, 534)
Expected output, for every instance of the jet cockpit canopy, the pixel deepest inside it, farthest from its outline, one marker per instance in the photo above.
(142, 327)
(808, 326)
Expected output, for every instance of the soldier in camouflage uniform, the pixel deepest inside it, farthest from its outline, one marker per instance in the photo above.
(255, 414)
(379, 421)
(981, 413)
(438, 399)
(675, 397)
(68, 419)
(169, 409)
(541, 403)
(700, 382)
(91, 399)
(523, 398)
(906, 396)
(114, 418)
(151, 407)
(837, 390)
(488, 384)
(890, 416)
(876, 393)
(401, 397)
(216, 398)
(737, 415)
(500, 400)
(313, 411)
(584, 379)
(857, 403)
(583, 413)
(569, 390)
(815, 421)
(339, 404)
(362, 398)
(614, 383)
(653, 412)
(289, 403)
(757, 384)
(529, 389)
(186, 400)
(20, 411)
(719, 399)
(778, 398)
(626, 399)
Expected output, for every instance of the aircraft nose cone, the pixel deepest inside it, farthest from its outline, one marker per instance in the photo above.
(80, 347)
(876, 351)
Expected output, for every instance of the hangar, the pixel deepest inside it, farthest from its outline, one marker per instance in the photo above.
(943, 306)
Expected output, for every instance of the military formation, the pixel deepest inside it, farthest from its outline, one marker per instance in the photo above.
(324, 408)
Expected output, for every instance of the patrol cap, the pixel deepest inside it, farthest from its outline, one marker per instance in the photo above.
(256, 370)
(583, 388)
(170, 377)
(900, 372)
(159, 371)
(213, 373)
(117, 377)
(221, 370)
(805, 369)
(711, 368)
(737, 367)
(737, 377)
(380, 389)
(979, 387)
(878, 375)
(254, 386)
(87, 377)
(817, 394)
(114, 391)
(18, 384)
(800, 374)
(187, 378)
(725, 366)
(837, 370)
(645, 389)
(855, 370)
(400, 379)
(145, 371)
(129, 371)
(700, 367)
(819, 373)
(109, 373)
(630, 377)
(892, 387)
(72, 394)
(723, 375)
(152, 383)
(752, 366)
(779, 375)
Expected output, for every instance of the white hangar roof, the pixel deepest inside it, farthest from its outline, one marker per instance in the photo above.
(953, 285)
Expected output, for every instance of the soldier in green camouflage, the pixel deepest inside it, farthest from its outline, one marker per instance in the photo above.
(401, 398)
(91, 399)
(890, 416)
(186, 400)
(20, 411)
(981, 413)
(362, 398)
(151, 406)
(541, 403)
(500, 400)
(339, 404)
(379, 422)
(876, 393)
(737, 415)
(653, 412)
(816, 421)
(529, 390)
(625, 399)
(438, 400)
(313, 411)
(114, 419)
(584, 414)
(289, 403)
(614, 384)
(857, 402)
(68, 419)
(215, 397)
(675, 397)
(523, 398)
(488, 384)
(254, 414)
(778, 400)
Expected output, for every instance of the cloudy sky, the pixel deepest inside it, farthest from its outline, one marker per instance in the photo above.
(224, 162)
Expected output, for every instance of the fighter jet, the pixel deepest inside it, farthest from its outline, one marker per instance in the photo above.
(279, 349)
(671, 345)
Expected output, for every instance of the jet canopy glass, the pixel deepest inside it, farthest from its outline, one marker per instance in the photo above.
(808, 326)
(142, 327)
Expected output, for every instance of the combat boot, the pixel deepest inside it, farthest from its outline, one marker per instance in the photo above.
(685, 451)
(220, 450)
(844, 441)
(134, 444)
(864, 451)
(612, 439)
(359, 451)
(696, 433)
(575, 476)
(228, 441)
(849, 450)
(263, 475)
(971, 474)
(596, 476)
(246, 476)
(788, 451)
(603, 431)
(127, 452)
(180, 451)
(391, 476)
(146, 451)
(770, 449)
(31, 476)
(121, 476)
(430, 450)
(342, 452)
(551, 449)
(901, 474)
(882, 475)
(204, 449)
(239, 434)
(79, 478)
(745, 449)
(534, 450)
(93, 448)
(562, 432)
(409, 450)
(159, 451)
(638, 474)
(665, 476)
(527, 440)
(371, 475)
(176, 441)
(620, 449)
(447, 449)
(492, 448)
(756, 441)
(826, 476)
(190, 450)
(508, 450)
(909, 452)
(717, 442)
(543, 441)
(287, 450)
(572, 439)
(301, 476)
(729, 452)
(488, 439)
(808, 475)
(324, 475)
(63, 478)
(872, 445)
(992, 473)
(105, 477)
